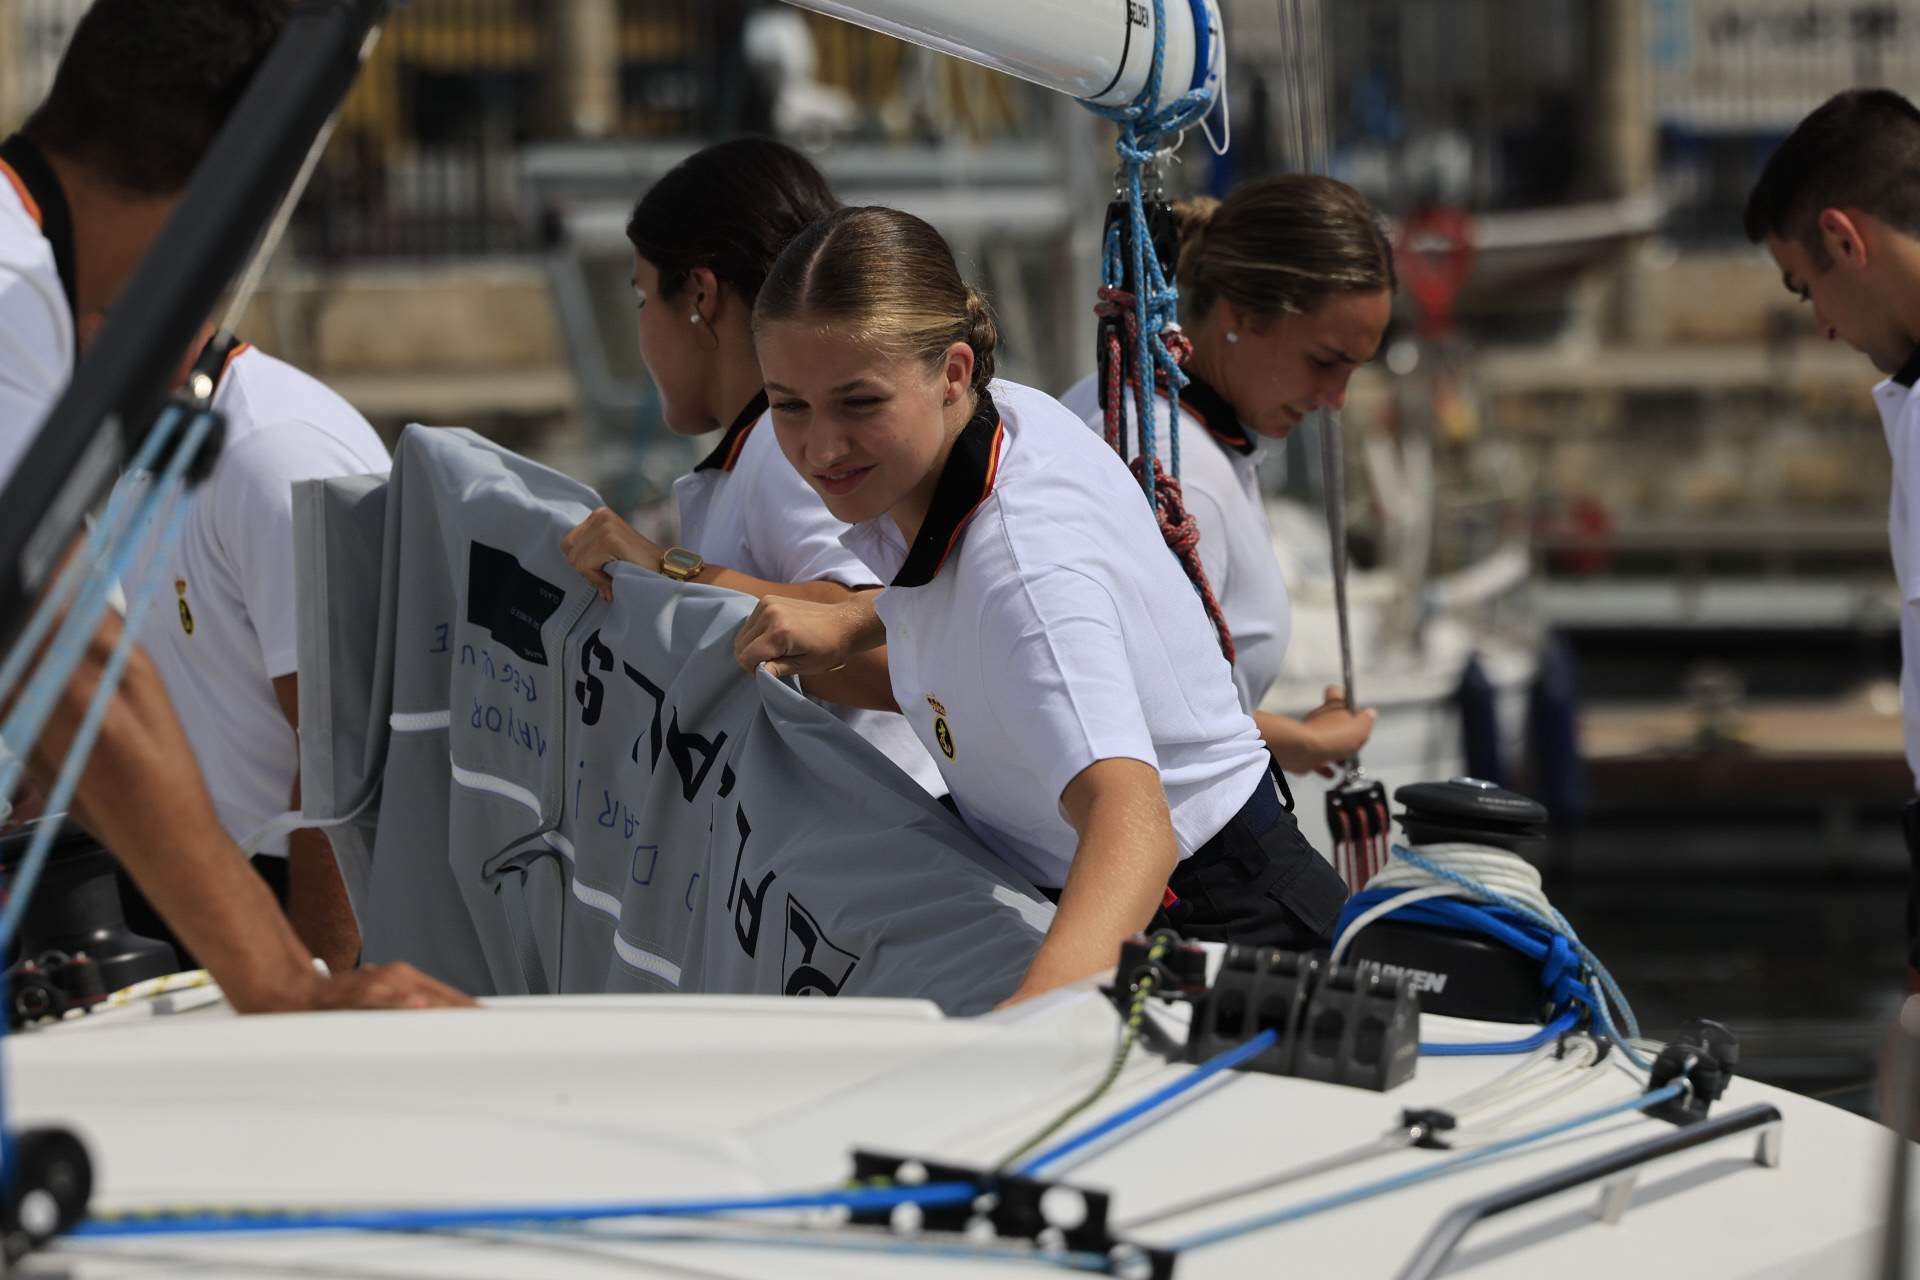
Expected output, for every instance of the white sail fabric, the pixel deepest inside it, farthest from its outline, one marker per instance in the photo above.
(530, 789)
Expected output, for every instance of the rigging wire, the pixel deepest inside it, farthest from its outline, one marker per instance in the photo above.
(1563, 1075)
(1426, 1173)
(246, 1221)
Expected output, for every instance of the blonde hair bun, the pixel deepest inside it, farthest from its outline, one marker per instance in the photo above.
(983, 335)
(889, 277)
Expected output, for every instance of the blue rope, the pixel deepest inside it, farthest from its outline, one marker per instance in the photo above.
(1156, 301)
(1545, 1036)
(1413, 1177)
(69, 646)
(166, 499)
(1193, 1079)
(250, 1221)
(92, 566)
(103, 535)
(1568, 965)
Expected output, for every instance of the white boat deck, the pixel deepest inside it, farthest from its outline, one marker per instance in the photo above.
(567, 1100)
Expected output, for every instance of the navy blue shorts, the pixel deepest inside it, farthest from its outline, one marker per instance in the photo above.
(1257, 882)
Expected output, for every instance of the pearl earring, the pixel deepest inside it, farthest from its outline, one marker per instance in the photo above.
(1232, 336)
(694, 318)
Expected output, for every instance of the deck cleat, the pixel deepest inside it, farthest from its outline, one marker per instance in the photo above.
(1702, 1058)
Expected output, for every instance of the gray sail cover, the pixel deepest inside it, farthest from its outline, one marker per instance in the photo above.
(529, 789)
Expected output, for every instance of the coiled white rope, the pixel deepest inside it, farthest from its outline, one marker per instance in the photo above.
(1506, 873)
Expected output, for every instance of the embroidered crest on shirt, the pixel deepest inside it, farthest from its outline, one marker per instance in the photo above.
(941, 733)
(186, 614)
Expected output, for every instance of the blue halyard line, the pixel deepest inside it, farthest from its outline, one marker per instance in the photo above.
(249, 1221)
(1160, 1097)
(20, 889)
(1155, 299)
(119, 505)
(56, 669)
(1613, 995)
(93, 571)
(1414, 1177)
(36, 703)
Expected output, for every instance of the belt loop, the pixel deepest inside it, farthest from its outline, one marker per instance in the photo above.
(1286, 792)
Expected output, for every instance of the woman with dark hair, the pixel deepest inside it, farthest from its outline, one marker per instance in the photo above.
(1285, 288)
(704, 237)
(1040, 640)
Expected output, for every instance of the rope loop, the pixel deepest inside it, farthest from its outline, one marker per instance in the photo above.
(1141, 327)
(1182, 537)
(1144, 136)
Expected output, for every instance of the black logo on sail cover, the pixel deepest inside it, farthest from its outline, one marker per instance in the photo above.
(509, 602)
(811, 964)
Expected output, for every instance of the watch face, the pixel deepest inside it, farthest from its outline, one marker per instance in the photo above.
(680, 563)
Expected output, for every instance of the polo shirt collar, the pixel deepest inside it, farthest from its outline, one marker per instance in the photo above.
(25, 166)
(1213, 412)
(965, 482)
(727, 452)
(1909, 373)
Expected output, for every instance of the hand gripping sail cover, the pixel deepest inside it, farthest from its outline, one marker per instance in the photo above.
(533, 790)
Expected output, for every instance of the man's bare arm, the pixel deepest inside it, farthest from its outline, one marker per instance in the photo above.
(317, 902)
(142, 796)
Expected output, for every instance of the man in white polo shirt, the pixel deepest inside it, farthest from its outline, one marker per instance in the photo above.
(223, 632)
(1838, 207)
(84, 188)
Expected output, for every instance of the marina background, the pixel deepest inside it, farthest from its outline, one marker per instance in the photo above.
(1626, 491)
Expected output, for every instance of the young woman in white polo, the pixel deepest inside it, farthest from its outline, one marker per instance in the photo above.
(1285, 288)
(703, 239)
(1041, 640)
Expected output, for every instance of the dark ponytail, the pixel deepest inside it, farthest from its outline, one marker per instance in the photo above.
(730, 208)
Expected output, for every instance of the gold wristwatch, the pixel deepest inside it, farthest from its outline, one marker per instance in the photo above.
(680, 564)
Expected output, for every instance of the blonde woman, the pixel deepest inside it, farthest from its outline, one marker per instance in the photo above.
(1045, 647)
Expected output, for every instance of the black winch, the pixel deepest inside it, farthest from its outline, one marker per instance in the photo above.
(1457, 973)
(74, 947)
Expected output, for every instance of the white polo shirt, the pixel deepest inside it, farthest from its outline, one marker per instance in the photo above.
(222, 626)
(1220, 481)
(1898, 400)
(36, 297)
(745, 508)
(1038, 625)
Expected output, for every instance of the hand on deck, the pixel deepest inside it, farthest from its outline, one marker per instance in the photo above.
(380, 986)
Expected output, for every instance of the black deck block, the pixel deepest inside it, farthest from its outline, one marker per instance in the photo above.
(1361, 1029)
(1010, 1202)
(1257, 989)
